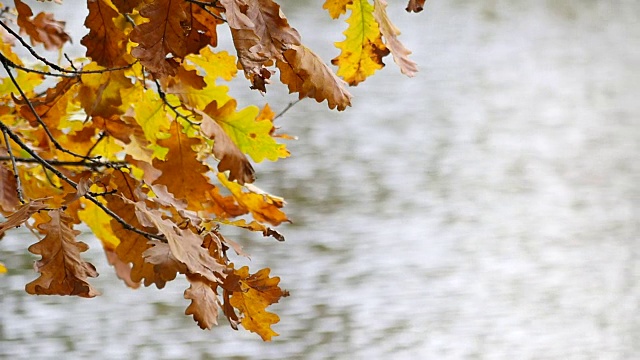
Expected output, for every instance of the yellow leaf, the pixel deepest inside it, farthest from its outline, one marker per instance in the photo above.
(263, 207)
(3, 269)
(100, 223)
(257, 292)
(362, 50)
(336, 7)
(219, 64)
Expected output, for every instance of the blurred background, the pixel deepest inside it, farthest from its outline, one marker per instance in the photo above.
(486, 209)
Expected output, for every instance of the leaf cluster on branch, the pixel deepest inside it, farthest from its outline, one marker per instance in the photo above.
(141, 141)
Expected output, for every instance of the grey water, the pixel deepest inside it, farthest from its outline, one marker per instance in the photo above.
(486, 209)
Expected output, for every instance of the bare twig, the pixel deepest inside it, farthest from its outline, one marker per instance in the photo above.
(174, 108)
(100, 137)
(15, 167)
(291, 104)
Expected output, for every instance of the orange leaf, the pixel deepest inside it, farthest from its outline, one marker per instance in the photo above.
(62, 270)
(123, 270)
(204, 302)
(390, 33)
(263, 207)
(21, 215)
(106, 43)
(164, 263)
(43, 29)
(305, 73)
(336, 7)
(8, 191)
(258, 292)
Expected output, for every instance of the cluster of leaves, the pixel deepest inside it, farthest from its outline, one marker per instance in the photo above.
(141, 143)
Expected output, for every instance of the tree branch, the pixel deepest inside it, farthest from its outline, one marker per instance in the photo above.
(82, 163)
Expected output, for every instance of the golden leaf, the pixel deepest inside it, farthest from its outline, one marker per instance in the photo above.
(362, 50)
(257, 292)
(336, 7)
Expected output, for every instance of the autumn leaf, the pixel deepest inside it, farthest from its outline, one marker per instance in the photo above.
(8, 190)
(43, 29)
(185, 246)
(3, 269)
(62, 270)
(123, 270)
(165, 265)
(336, 7)
(100, 94)
(260, 33)
(305, 73)
(169, 31)
(254, 226)
(390, 34)
(126, 6)
(226, 151)
(106, 43)
(257, 292)
(415, 5)
(21, 215)
(263, 207)
(362, 50)
(204, 302)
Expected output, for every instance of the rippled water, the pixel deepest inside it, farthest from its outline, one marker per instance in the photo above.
(487, 208)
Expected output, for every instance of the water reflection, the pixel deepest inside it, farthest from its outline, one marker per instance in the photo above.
(487, 208)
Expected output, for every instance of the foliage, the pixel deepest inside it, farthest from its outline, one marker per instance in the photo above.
(142, 143)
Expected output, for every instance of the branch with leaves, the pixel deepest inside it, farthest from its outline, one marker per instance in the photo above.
(142, 141)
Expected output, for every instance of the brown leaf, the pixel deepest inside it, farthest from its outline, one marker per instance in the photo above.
(264, 207)
(305, 73)
(258, 292)
(185, 246)
(226, 151)
(415, 6)
(164, 263)
(126, 6)
(390, 33)
(260, 34)
(132, 245)
(8, 190)
(21, 215)
(62, 270)
(204, 302)
(169, 31)
(83, 188)
(123, 270)
(43, 29)
(106, 43)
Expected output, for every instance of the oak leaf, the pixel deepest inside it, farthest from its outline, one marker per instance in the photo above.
(305, 73)
(123, 270)
(336, 7)
(226, 151)
(184, 245)
(390, 34)
(106, 43)
(257, 292)
(164, 263)
(43, 29)
(362, 50)
(204, 304)
(62, 270)
(21, 215)
(264, 207)
(126, 6)
(8, 190)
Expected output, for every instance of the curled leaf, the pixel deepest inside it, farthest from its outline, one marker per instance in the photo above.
(390, 33)
(21, 215)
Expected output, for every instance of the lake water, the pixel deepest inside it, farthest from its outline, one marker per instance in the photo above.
(486, 209)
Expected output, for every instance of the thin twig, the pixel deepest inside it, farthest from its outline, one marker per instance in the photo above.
(15, 167)
(291, 104)
(82, 163)
(100, 137)
(53, 65)
(163, 96)
(89, 197)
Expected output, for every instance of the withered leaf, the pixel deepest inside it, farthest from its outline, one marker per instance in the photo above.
(21, 215)
(164, 263)
(43, 29)
(204, 302)
(263, 206)
(62, 270)
(185, 245)
(8, 191)
(106, 43)
(305, 73)
(123, 270)
(390, 33)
